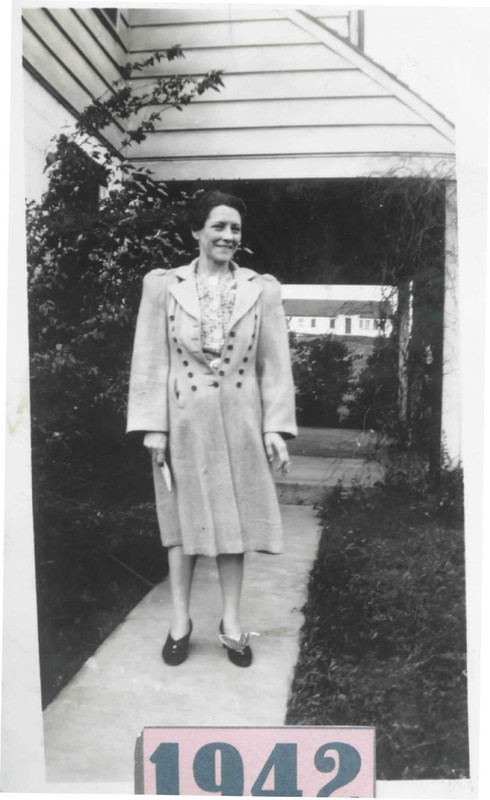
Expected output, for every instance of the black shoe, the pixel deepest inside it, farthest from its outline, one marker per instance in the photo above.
(239, 653)
(175, 652)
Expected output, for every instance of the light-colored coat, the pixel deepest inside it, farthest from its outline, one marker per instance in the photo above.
(223, 498)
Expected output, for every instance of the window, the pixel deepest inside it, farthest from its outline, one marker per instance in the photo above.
(332, 323)
(313, 322)
(366, 324)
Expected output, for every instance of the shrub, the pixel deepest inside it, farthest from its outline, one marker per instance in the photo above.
(322, 369)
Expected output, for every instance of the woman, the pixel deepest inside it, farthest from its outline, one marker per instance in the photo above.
(211, 387)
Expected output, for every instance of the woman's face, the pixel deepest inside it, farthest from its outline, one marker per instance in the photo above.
(220, 236)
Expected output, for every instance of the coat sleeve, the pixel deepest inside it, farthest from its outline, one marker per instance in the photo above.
(148, 399)
(274, 364)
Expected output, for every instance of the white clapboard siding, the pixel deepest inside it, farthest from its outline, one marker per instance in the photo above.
(274, 141)
(280, 31)
(53, 72)
(220, 13)
(61, 81)
(288, 85)
(103, 36)
(123, 28)
(65, 52)
(274, 113)
(81, 37)
(249, 59)
(201, 14)
(334, 165)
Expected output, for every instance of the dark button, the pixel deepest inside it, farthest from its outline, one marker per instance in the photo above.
(190, 374)
(239, 384)
(172, 318)
(215, 384)
(232, 333)
(245, 359)
(226, 360)
(250, 347)
(230, 347)
(175, 340)
(185, 363)
(194, 388)
(221, 372)
(241, 371)
(179, 350)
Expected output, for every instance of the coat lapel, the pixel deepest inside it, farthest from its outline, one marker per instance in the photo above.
(247, 293)
(185, 291)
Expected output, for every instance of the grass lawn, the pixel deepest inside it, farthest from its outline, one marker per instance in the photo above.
(384, 639)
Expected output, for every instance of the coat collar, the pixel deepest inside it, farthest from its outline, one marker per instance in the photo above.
(185, 291)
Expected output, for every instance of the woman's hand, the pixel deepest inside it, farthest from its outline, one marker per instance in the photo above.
(156, 443)
(276, 446)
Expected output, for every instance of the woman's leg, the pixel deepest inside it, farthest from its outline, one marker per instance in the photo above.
(181, 571)
(230, 569)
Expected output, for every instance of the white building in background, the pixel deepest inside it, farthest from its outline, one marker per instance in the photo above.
(338, 317)
(362, 310)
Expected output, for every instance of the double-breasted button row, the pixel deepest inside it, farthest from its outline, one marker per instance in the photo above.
(180, 351)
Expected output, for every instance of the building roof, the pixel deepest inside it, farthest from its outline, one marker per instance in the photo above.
(369, 309)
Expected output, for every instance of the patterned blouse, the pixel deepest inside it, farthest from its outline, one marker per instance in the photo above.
(216, 300)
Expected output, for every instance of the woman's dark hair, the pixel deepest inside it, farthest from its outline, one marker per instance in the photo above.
(204, 204)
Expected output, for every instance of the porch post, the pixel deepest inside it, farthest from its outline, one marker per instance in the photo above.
(451, 374)
(405, 297)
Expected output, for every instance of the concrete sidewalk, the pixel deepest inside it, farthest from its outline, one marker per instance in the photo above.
(91, 727)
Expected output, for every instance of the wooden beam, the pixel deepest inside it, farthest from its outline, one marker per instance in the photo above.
(339, 166)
